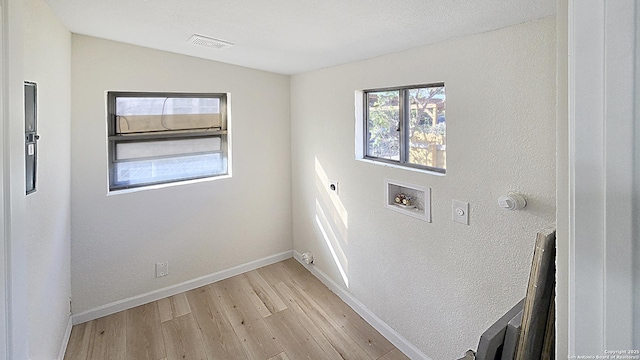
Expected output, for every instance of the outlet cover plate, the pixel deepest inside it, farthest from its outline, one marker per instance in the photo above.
(333, 187)
(162, 269)
(460, 212)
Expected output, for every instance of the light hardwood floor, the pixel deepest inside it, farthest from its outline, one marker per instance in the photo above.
(278, 312)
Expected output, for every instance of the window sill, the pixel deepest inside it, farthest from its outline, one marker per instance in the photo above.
(166, 185)
(397, 166)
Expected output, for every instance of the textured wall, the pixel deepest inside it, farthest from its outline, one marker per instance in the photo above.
(439, 284)
(636, 195)
(636, 212)
(199, 228)
(47, 61)
(562, 180)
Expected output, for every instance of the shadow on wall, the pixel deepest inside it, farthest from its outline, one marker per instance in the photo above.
(332, 221)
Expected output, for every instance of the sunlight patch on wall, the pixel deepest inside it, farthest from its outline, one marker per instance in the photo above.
(338, 210)
(333, 252)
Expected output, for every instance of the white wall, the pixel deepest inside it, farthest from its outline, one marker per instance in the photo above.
(602, 57)
(47, 61)
(13, 182)
(562, 182)
(438, 284)
(636, 194)
(199, 228)
(4, 177)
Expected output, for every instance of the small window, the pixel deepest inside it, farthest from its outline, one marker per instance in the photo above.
(157, 138)
(406, 125)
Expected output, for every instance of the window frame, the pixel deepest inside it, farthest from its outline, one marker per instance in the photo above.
(403, 125)
(113, 138)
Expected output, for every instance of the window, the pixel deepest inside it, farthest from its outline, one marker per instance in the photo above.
(157, 138)
(406, 125)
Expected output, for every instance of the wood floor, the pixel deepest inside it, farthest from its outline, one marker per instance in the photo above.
(280, 312)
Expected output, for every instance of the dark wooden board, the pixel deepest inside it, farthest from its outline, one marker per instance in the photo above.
(491, 341)
(549, 346)
(538, 299)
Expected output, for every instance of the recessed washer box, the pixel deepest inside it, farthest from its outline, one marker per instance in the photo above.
(420, 206)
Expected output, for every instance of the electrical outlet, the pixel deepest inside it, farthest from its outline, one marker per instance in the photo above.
(333, 186)
(162, 269)
(460, 212)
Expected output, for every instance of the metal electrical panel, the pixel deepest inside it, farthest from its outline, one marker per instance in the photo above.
(31, 136)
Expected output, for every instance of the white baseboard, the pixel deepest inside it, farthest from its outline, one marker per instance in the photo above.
(383, 328)
(65, 340)
(138, 300)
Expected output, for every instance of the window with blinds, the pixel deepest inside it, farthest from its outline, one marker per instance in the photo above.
(157, 138)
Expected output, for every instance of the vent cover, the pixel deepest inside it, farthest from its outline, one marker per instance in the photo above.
(209, 42)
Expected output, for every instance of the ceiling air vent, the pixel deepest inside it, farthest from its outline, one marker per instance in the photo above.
(209, 42)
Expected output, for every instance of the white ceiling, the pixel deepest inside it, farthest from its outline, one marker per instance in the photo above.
(292, 36)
